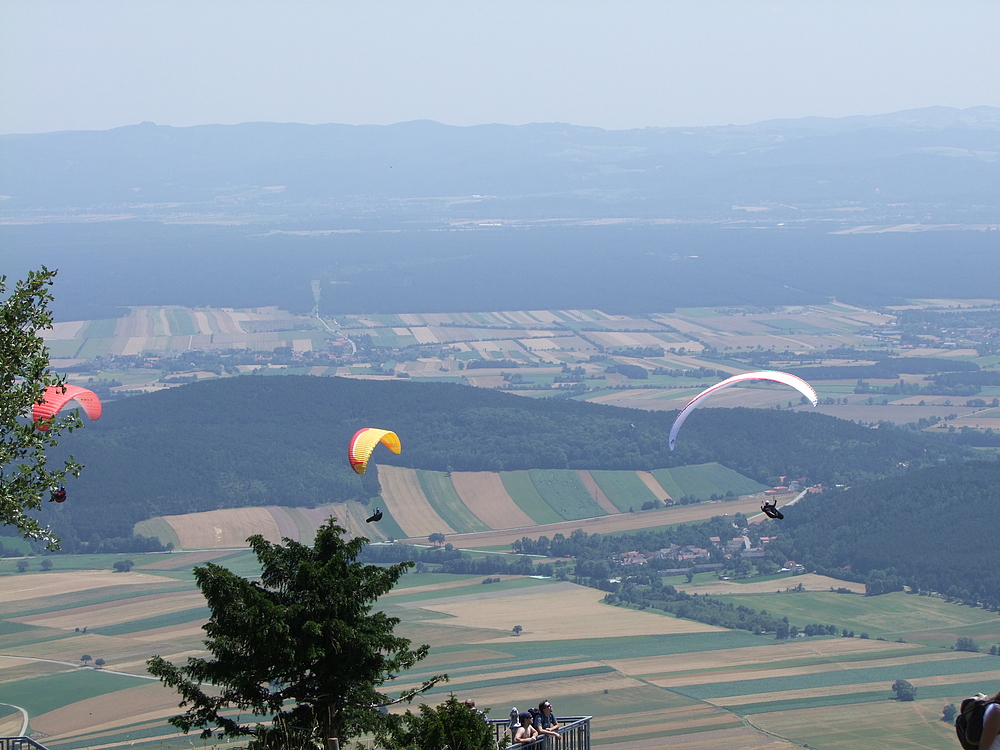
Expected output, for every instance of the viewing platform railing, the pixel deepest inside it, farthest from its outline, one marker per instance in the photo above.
(20, 743)
(574, 734)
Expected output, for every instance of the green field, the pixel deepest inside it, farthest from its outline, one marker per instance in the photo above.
(563, 491)
(694, 482)
(728, 480)
(49, 692)
(512, 671)
(890, 616)
(441, 494)
(704, 480)
(624, 489)
(522, 491)
(666, 480)
(159, 528)
(197, 614)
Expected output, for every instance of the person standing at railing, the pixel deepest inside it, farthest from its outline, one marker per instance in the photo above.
(471, 705)
(526, 733)
(546, 721)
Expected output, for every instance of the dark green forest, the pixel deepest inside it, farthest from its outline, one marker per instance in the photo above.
(935, 529)
(254, 440)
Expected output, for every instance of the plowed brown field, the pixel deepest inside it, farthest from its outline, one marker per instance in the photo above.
(596, 492)
(608, 524)
(655, 487)
(484, 494)
(223, 528)
(409, 506)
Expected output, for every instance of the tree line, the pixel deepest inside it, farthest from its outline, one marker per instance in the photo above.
(256, 440)
(931, 530)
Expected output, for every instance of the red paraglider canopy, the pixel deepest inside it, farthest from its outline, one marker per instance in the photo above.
(57, 396)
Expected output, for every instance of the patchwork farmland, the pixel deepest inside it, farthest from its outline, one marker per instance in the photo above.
(649, 679)
(474, 507)
(583, 353)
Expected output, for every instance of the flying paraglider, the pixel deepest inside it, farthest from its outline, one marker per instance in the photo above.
(364, 442)
(376, 516)
(58, 396)
(778, 377)
(771, 510)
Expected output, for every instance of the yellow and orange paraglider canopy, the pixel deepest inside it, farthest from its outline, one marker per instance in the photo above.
(57, 396)
(364, 442)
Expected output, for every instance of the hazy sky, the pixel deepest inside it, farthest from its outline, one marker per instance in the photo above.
(617, 64)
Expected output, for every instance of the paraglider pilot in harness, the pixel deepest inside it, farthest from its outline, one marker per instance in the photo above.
(771, 509)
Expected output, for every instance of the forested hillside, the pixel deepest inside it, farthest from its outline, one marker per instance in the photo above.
(934, 529)
(256, 440)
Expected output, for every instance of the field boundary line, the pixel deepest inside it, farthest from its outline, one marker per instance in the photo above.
(78, 666)
(24, 718)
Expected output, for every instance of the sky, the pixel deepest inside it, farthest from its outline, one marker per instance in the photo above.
(615, 64)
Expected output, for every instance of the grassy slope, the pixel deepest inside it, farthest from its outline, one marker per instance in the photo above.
(563, 491)
(441, 494)
(891, 616)
(523, 492)
(627, 707)
(623, 488)
(666, 480)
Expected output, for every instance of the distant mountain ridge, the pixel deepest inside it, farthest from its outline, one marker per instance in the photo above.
(937, 155)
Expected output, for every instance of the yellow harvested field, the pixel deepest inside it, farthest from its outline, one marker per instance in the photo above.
(38, 585)
(408, 505)
(350, 516)
(112, 613)
(201, 322)
(401, 591)
(696, 717)
(10, 725)
(424, 335)
(183, 560)
(172, 633)
(12, 668)
(848, 726)
(655, 487)
(545, 316)
(501, 697)
(227, 529)
(223, 528)
(127, 706)
(596, 492)
(607, 524)
(484, 494)
(513, 674)
(737, 738)
(809, 581)
(672, 666)
(542, 613)
(861, 687)
(67, 330)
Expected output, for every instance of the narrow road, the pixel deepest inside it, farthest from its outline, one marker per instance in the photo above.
(76, 665)
(24, 719)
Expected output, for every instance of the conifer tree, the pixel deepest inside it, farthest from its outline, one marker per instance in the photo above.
(301, 649)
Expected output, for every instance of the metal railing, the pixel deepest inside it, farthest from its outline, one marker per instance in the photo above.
(20, 743)
(574, 734)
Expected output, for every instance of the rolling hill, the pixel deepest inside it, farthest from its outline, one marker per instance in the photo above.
(258, 441)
